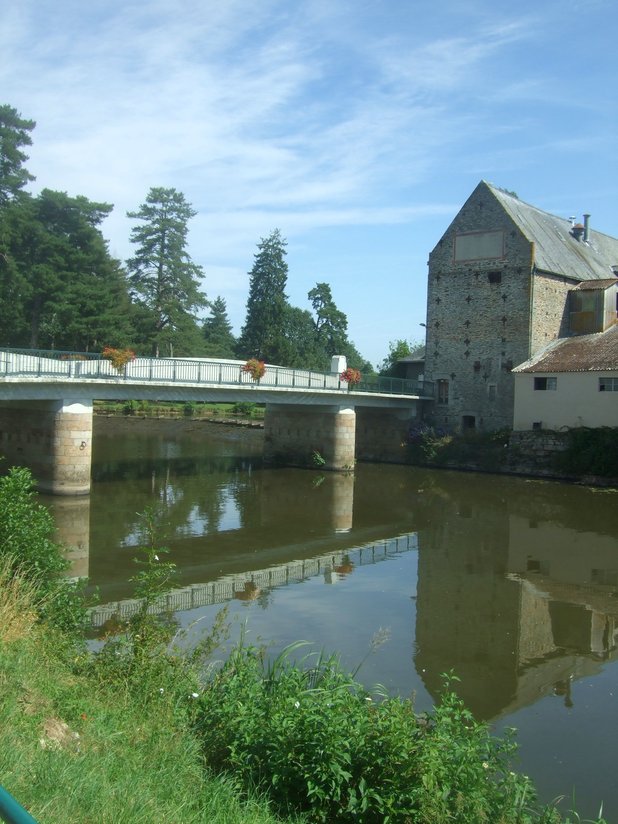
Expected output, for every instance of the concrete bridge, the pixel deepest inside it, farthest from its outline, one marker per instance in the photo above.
(46, 402)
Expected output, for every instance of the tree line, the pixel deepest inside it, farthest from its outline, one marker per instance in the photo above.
(60, 288)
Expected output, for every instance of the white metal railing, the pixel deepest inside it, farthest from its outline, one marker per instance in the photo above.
(87, 367)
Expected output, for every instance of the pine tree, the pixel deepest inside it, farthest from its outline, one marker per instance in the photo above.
(263, 335)
(162, 275)
(331, 324)
(14, 133)
(219, 342)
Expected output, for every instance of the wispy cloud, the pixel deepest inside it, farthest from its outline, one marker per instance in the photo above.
(312, 116)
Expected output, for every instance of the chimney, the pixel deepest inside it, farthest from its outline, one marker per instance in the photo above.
(577, 231)
(586, 228)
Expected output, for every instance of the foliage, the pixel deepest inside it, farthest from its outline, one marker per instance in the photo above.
(436, 447)
(304, 350)
(263, 334)
(331, 325)
(99, 751)
(254, 367)
(350, 376)
(219, 342)
(162, 275)
(397, 350)
(14, 134)
(28, 550)
(318, 742)
(245, 408)
(590, 452)
(317, 459)
(59, 286)
(118, 357)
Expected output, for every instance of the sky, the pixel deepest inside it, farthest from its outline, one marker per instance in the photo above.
(356, 128)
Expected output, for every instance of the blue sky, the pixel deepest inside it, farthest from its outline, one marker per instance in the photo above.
(356, 128)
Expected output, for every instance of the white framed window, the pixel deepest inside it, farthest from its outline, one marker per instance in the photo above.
(542, 384)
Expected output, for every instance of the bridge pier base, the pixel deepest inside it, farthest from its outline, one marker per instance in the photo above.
(306, 435)
(53, 439)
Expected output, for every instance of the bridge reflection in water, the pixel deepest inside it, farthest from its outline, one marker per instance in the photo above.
(248, 586)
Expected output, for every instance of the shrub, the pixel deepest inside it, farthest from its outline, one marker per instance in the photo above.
(28, 548)
(316, 741)
(244, 408)
(590, 452)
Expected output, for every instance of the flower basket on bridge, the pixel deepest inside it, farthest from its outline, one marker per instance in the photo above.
(254, 367)
(118, 357)
(350, 376)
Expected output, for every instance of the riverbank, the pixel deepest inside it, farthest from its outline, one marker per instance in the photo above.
(581, 456)
(135, 732)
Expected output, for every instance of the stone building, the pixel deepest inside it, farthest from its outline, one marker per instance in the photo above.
(498, 293)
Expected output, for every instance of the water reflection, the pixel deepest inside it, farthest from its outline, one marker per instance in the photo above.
(511, 596)
(512, 584)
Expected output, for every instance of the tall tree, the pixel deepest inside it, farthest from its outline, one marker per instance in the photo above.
(331, 325)
(162, 275)
(64, 288)
(219, 342)
(304, 349)
(14, 133)
(263, 335)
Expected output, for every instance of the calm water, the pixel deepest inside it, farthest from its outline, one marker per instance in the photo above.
(511, 583)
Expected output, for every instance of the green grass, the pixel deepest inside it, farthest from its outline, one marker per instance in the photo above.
(75, 748)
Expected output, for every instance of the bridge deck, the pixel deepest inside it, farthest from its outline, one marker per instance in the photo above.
(30, 366)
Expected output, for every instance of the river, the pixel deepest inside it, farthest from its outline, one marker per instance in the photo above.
(511, 583)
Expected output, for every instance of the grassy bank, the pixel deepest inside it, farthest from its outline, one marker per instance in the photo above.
(144, 732)
(168, 409)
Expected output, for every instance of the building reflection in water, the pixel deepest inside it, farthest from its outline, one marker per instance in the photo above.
(517, 606)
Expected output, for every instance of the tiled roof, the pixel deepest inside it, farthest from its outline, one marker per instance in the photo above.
(595, 284)
(556, 249)
(583, 353)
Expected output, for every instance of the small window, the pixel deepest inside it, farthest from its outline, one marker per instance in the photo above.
(468, 422)
(491, 391)
(608, 384)
(442, 391)
(545, 383)
(494, 277)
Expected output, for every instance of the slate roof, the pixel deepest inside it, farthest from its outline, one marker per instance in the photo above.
(584, 353)
(557, 251)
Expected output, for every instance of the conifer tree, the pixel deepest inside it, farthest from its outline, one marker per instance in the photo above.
(219, 342)
(162, 275)
(263, 335)
(14, 133)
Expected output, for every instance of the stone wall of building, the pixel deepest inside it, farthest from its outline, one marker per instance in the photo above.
(479, 313)
(478, 317)
(550, 310)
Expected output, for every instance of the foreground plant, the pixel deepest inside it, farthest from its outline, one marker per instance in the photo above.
(318, 742)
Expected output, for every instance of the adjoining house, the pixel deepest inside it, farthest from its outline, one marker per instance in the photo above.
(506, 280)
(573, 382)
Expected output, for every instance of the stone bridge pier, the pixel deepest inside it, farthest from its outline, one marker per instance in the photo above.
(53, 438)
(338, 434)
(293, 434)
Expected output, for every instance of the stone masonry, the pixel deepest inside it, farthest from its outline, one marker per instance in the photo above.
(488, 309)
